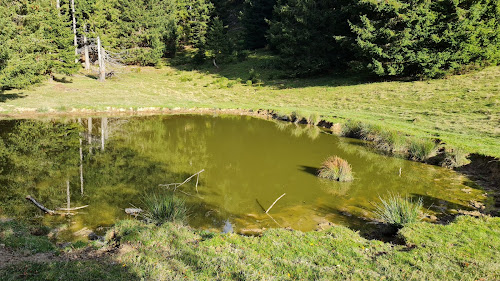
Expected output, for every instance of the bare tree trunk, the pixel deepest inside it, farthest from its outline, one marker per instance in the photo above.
(81, 160)
(58, 4)
(74, 30)
(68, 200)
(89, 121)
(100, 55)
(104, 131)
(86, 52)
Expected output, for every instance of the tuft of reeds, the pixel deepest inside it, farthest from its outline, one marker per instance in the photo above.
(420, 149)
(455, 157)
(398, 211)
(313, 119)
(162, 208)
(336, 168)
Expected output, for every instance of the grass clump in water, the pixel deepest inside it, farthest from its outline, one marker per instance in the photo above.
(399, 211)
(162, 208)
(336, 168)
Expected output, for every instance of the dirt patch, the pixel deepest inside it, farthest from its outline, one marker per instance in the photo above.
(10, 257)
(485, 171)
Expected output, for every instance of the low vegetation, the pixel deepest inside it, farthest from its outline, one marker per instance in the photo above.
(398, 211)
(336, 168)
(162, 208)
(466, 249)
(31, 240)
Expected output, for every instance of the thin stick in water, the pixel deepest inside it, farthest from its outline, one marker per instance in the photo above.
(267, 211)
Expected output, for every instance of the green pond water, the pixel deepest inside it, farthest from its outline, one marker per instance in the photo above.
(248, 163)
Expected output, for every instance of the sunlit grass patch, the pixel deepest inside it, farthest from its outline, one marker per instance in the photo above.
(420, 148)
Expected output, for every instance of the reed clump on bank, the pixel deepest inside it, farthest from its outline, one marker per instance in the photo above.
(162, 208)
(336, 168)
(418, 149)
(454, 157)
(399, 211)
(421, 149)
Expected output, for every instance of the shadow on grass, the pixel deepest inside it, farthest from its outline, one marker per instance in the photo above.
(91, 76)
(261, 67)
(14, 96)
(62, 80)
(98, 269)
(366, 227)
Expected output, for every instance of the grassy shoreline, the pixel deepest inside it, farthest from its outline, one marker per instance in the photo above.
(463, 250)
(462, 111)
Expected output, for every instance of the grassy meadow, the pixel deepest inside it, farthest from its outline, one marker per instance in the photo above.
(463, 111)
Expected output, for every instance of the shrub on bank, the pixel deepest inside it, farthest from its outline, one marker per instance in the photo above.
(421, 149)
(399, 211)
(162, 208)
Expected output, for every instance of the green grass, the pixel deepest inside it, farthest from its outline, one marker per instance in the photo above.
(71, 270)
(466, 249)
(18, 236)
(463, 111)
(399, 211)
(162, 208)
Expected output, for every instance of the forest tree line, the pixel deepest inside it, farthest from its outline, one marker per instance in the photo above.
(391, 38)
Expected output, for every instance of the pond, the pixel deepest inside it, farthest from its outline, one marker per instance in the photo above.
(111, 163)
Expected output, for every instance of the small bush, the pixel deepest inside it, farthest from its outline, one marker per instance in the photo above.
(163, 208)
(186, 78)
(398, 211)
(421, 149)
(353, 129)
(335, 168)
(297, 116)
(313, 118)
(254, 76)
(455, 157)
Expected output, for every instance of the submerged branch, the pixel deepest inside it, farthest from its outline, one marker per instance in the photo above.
(72, 209)
(40, 206)
(267, 211)
(176, 185)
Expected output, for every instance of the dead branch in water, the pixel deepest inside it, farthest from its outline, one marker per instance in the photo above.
(176, 185)
(72, 209)
(52, 212)
(267, 211)
(40, 206)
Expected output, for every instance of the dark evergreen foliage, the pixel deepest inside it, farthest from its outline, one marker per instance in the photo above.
(256, 14)
(35, 41)
(398, 38)
(312, 36)
(423, 38)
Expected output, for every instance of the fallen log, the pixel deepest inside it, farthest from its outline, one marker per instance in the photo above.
(40, 206)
